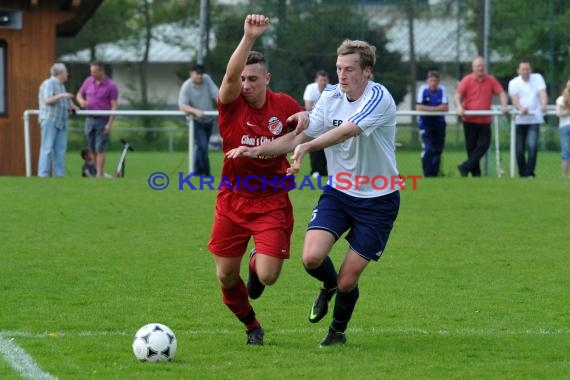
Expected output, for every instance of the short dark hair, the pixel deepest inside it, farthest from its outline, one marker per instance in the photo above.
(322, 73)
(255, 57)
(99, 64)
(433, 73)
(84, 153)
(200, 69)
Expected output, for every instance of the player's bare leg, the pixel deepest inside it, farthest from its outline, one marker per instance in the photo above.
(263, 270)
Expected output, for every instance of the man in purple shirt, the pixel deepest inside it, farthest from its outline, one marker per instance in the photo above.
(98, 92)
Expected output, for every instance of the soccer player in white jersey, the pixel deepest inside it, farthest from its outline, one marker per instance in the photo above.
(355, 122)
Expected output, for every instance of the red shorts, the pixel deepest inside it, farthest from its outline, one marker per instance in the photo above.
(237, 218)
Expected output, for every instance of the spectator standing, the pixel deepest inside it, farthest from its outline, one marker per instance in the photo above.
(528, 95)
(475, 92)
(432, 97)
(563, 112)
(197, 95)
(98, 92)
(55, 105)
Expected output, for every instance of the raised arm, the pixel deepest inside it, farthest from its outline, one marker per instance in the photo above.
(253, 27)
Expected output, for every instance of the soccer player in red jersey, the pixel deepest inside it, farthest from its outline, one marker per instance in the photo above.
(253, 200)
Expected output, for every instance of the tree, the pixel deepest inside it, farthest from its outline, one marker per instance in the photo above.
(304, 39)
(533, 30)
(107, 25)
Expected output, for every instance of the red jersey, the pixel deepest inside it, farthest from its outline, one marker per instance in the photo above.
(478, 95)
(240, 124)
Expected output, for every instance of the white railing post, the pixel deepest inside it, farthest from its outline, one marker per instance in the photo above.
(27, 149)
(512, 149)
(498, 165)
(190, 143)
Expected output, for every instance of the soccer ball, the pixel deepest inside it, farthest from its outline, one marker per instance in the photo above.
(155, 342)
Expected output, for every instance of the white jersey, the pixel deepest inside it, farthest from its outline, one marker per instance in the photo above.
(312, 93)
(372, 153)
(529, 97)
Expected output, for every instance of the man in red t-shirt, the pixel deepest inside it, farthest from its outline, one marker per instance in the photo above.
(475, 92)
(253, 200)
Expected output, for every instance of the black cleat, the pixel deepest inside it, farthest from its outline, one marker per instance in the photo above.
(333, 338)
(255, 337)
(254, 286)
(321, 305)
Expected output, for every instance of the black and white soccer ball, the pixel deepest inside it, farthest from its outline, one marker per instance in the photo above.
(155, 342)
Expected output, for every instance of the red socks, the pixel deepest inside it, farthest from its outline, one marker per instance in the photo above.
(236, 299)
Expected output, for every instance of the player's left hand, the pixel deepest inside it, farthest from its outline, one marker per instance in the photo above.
(301, 120)
(297, 159)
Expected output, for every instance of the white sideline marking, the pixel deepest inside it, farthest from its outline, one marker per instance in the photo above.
(538, 331)
(19, 359)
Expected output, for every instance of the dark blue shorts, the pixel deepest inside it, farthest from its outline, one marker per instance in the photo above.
(370, 220)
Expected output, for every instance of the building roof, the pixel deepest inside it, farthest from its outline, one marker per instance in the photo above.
(82, 11)
(436, 39)
(170, 43)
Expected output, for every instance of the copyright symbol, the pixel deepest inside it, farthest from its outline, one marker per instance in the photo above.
(158, 181)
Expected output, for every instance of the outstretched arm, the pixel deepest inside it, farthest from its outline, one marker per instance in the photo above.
(253, 27)
(335, 136)
(281, 145)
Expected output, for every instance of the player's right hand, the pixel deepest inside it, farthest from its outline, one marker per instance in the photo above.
(255, 25)
(241, 151)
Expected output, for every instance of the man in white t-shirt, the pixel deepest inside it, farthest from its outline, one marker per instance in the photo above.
(312, 94)
(528, 95)
(355, 123)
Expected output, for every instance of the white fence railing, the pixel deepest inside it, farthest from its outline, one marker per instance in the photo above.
(495, 113)
(28, 113)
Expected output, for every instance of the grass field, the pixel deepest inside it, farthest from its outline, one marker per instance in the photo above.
(474, 283)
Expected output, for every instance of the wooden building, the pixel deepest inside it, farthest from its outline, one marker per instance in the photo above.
(28, 31)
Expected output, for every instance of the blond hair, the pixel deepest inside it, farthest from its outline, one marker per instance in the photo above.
(366, 51)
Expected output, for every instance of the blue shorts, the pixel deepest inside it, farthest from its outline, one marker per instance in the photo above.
(370, 220)
(96, 138)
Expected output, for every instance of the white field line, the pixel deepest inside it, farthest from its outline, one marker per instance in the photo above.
(534, 331)
(19, 359)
